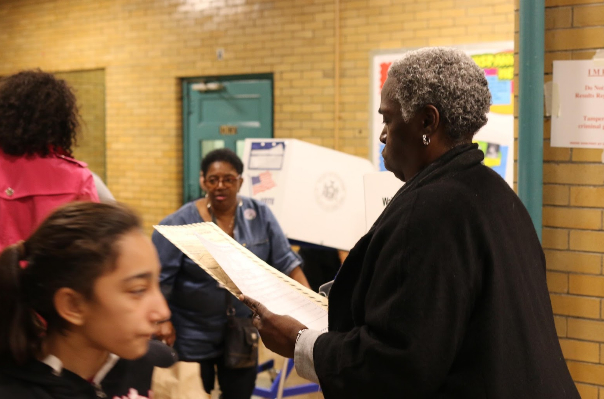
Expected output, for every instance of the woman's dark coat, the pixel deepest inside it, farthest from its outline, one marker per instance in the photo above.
(445, 297)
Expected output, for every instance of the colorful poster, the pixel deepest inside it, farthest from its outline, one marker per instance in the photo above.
(578, 117)
(497, 136)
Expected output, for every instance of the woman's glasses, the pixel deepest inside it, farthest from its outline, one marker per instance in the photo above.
(227, 181)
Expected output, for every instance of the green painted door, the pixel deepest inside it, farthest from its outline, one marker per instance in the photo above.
(221, 113)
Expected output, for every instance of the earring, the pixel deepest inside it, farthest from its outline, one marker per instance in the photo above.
(426, 139)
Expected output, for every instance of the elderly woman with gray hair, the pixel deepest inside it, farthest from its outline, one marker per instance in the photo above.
(445, 296)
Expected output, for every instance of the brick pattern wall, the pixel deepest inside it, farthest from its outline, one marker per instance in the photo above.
(573, 208)
(89, 87)
(146, 46)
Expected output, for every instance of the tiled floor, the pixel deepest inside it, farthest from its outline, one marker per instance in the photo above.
(264, 379)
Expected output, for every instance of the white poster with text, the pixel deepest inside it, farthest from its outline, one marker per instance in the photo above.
(578, 119)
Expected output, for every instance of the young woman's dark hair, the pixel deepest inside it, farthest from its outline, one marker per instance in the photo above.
(221, 155)
(38, 114)
(74, 246)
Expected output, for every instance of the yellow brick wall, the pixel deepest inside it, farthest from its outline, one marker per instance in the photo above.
(89, 87)
(573, 207)
(146, 46)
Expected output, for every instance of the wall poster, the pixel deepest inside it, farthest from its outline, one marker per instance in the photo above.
(578, 115)
(496, 138)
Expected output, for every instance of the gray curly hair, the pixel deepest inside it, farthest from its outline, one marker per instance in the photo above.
(449, 80)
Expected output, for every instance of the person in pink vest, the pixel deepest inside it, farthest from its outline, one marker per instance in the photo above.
(39, 122)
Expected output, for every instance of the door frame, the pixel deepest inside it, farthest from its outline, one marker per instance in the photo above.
(186, 104)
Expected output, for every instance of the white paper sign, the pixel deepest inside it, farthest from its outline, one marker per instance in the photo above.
(579, 123)
(380, 187)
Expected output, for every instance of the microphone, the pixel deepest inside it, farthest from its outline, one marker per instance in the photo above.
(160, 354)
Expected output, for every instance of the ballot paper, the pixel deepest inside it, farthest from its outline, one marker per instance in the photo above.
(242, 272)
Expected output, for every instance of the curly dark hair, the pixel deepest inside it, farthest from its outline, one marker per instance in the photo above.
(38, 114)
(221, 155)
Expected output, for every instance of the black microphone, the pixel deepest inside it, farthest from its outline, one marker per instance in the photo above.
(160, 354)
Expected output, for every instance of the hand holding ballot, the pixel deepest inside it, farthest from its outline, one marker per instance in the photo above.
(278, 332)
(241, 272)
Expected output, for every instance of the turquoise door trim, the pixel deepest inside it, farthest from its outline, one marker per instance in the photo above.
(245, 104)
(530, 109)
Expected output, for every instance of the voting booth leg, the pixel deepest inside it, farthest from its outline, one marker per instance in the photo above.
(273, 391)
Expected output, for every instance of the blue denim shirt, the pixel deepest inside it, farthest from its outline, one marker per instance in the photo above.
(197, 303)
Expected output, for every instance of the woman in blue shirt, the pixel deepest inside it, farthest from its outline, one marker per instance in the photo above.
(198, 304)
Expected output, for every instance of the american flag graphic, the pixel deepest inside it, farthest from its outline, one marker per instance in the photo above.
(262, 182)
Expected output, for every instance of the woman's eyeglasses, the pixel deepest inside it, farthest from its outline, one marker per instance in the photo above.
(227, 181)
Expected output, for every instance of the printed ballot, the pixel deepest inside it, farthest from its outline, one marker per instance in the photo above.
(242, 272)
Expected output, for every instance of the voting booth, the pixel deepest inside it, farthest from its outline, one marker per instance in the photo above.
(380, 187)
(316, 193)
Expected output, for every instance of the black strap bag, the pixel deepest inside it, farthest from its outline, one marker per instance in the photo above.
(240, 340)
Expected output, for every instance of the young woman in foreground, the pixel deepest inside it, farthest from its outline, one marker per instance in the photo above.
(82, 310)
